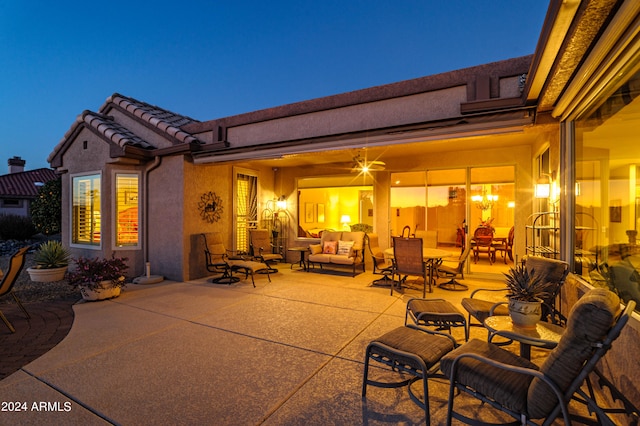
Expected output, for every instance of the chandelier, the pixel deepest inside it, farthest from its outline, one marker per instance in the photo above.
(484, 201)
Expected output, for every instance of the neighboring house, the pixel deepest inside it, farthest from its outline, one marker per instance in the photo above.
(145, 182)
(19, 188)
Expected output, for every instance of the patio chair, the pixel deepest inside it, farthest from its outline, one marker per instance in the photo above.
(452, 272)
(483, 243)
(381, 265)
(408, 260)
(518, 387)
(553, 270)
(16, 263)
(412, 350)
(263, 249)
(219, 260)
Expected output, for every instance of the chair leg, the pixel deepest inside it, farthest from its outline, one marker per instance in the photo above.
(20, 304)
(7, 323)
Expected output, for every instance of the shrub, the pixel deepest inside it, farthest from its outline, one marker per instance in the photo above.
(46, 209)
(14, 227)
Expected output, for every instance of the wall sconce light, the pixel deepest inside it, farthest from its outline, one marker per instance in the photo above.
(281, 203)
(543, 187)
(484, 201)
(511, 204)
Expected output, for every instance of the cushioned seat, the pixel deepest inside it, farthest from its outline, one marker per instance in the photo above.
(412, 350)
(438, 313)
(519, 388)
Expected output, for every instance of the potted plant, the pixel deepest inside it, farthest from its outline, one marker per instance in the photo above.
(52, 260)
(526, 291)
(99, 279)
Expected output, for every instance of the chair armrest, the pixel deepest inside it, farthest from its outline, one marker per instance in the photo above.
(493, 308)
(487, 289)
(434, 332)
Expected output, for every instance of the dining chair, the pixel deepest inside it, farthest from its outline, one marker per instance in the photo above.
(483, 243)
(408, 260)
(505, 246)
(16, 263)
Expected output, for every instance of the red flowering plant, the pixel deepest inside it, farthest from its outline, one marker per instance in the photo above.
(91, 273)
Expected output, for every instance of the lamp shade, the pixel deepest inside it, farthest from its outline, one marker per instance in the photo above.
(345, 218)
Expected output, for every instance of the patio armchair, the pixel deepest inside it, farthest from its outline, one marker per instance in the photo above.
(408, 260)
(219, 260)
(381, 265)
(554, 271)
(447, 271)
(16, 263)
(262, 248)
(540, 395)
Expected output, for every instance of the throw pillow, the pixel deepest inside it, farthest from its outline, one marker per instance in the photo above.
(315, 248)
(330, 247)
(344, 247)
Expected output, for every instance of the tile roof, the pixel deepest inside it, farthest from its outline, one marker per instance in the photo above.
(23, 184)
(116, 133)
(166, 121)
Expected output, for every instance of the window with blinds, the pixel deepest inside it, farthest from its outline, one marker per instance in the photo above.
(246, 209)
(86, 210)
(127, 211)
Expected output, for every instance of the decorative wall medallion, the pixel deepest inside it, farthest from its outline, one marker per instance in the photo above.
(210, 207)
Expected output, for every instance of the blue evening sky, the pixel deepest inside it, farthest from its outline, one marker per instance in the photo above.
(211, 59)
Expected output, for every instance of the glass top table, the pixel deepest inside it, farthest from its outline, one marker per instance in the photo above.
(543, 335)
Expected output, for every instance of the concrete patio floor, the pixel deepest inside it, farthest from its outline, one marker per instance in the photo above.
(287, 352)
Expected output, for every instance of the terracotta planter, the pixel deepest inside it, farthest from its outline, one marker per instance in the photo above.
(47, 275)
(105, 291)
(525, 314)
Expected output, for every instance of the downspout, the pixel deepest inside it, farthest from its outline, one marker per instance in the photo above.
(147, 278)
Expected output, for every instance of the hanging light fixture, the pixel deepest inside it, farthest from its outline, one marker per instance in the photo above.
(484, 201)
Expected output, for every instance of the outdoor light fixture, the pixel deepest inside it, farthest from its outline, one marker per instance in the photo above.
(484, 201)
(281, 203)
(362, 165)
(543, 187)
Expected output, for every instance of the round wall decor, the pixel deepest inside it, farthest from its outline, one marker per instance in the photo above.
(210, 207)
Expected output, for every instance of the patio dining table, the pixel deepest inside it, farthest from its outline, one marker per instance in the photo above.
(431, 257)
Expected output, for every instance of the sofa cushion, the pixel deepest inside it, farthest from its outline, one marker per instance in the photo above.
(330, 247)
(342, 260)
(345, 248)
(315, 248)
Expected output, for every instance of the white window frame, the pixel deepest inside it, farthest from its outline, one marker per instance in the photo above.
(114, 212)
(71, 221)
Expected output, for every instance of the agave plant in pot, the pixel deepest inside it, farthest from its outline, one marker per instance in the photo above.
(52, 261)
(526, 293)
(99, 279)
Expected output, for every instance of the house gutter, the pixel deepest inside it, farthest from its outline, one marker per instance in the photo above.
(148, 278)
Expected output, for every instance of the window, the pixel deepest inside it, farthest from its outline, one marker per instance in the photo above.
(86, 210)
(127, 211)
(607, 192)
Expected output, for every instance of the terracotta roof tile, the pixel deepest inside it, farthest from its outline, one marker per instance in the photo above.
(166, 121)
(116, 133)
(23, 184)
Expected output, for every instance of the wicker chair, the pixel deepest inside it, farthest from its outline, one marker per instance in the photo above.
(16, 263)
(518, 387)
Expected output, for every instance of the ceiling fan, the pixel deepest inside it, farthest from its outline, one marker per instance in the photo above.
(362, 165)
